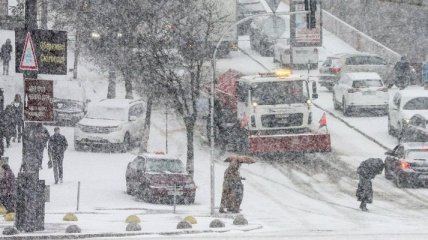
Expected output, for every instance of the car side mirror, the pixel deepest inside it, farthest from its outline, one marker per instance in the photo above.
(132, 118)
(390, 153)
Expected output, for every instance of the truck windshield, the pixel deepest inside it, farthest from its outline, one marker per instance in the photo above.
(275, 93)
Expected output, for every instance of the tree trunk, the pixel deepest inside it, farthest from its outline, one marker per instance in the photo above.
(111, 90)
(128, 85)
(190, 166)
(147, 124)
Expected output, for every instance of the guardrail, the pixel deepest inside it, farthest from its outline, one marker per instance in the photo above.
(356, 38)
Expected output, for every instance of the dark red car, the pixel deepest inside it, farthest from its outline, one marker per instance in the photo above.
(155, 178)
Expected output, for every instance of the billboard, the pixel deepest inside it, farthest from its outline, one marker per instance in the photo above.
(50, 49)
(300, 34)
(38, 100)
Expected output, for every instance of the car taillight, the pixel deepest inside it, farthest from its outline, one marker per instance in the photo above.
(353, 90)
(384, 89)
(335, 70)
(404, 164)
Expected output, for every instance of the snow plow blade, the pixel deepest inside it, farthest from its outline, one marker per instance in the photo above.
(308, 142)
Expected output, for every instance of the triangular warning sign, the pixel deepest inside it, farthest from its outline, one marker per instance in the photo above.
(28, 58)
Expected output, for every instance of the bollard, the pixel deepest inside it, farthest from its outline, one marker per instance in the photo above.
(78, 196)
(175, 196)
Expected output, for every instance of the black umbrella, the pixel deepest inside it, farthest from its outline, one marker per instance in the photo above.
(370, 168)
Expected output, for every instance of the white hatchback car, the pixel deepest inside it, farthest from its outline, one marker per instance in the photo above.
(111, 122)
(360, 90)
(404, 105)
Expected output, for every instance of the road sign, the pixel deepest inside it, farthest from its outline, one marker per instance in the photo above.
(274, 26)
(28, 58)
(273, 4)
(38, 100)
(49, 47)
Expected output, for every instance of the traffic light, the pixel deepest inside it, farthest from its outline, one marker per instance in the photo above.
(311, 5)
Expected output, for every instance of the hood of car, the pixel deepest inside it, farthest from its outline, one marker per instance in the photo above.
(168, 179)
(100, 122)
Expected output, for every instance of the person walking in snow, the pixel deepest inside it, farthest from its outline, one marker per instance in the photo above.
(57, 146)
(403, 75)
(233, 189)
(18, 115)
(367, 171)
(8, 188)
(5, 55)
(9, 124)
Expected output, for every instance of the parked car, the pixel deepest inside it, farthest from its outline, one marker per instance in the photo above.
(404, 105)
(70, 103)
(115, 123)
(263, 34)
(360, 90)
(156, 177)
(407, 165)
(333, 68)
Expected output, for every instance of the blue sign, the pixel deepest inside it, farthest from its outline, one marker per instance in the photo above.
(425, 72)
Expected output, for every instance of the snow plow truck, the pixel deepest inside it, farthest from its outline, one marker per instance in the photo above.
(267, 113)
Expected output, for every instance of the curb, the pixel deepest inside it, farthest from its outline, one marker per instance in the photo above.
(114, 235)
(353, 127)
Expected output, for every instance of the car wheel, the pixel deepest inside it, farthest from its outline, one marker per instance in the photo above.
(391, 130)
(126, 145)
(129, 189)
(345, 108)
(78, 147)
(388, 174)
(399, 182)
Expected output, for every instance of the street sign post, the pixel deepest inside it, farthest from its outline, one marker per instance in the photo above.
(273, 4)
(49, 48)
(38, 100)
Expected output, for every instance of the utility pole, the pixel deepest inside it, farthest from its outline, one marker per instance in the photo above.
(30, 205)
(44, 14)
(77, 37)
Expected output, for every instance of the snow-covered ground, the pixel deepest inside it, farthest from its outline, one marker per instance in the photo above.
(306, 197)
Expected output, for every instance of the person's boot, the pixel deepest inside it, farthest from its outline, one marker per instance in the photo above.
(363, 206)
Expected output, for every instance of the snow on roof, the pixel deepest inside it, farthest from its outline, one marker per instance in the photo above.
(159, 156)
(363, 75)
(413, 91)
(258, 78)
(116, 103)
(415, 145)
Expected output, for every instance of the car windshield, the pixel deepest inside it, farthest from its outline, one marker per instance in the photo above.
(365, 60)
(108, 113)
(367, 83)
(417, 155)
(274, 93)
(420, 103)
(165, 166)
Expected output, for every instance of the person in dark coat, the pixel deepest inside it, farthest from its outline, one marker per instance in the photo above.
(35, 138)
(402, 72)
(233, 189)
(9, 124)
(57, 146)
(8, 188)
(5, 55)
(367, 171)
(19, 115)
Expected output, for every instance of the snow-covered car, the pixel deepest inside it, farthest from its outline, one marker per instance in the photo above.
(360, 90)
(157, 178)
(113, 123)
(357, 62)
(328, 73)
(70, 103)
(404, 105)
(407, 164)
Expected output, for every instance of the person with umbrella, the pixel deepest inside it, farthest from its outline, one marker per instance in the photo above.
(233, 189)
(367, 171)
